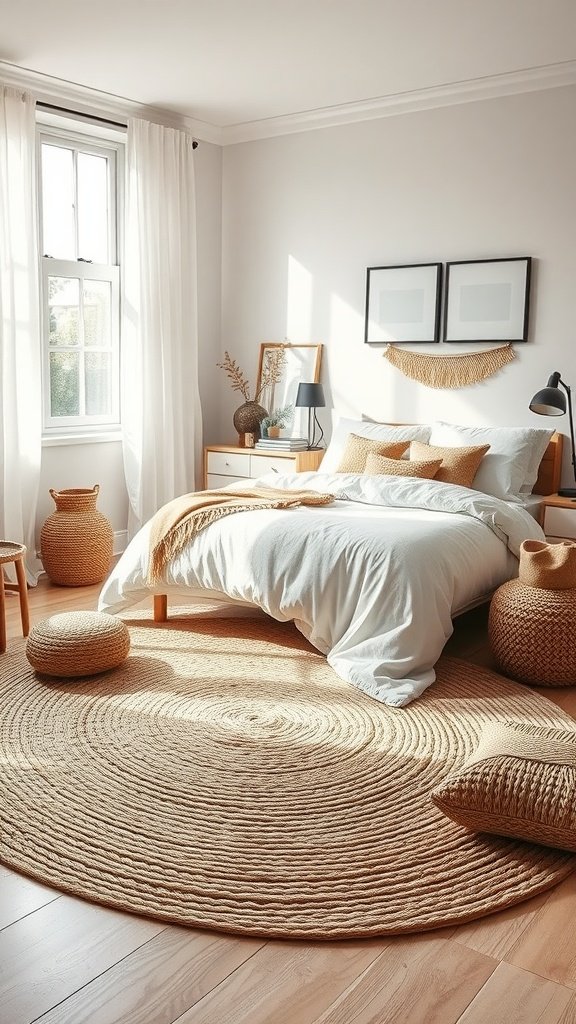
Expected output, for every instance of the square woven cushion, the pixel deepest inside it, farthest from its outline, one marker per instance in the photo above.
(520, 782)
(358, 448)
(459, 465)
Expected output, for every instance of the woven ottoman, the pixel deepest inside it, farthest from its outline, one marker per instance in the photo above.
(75, 644)
(532, 620)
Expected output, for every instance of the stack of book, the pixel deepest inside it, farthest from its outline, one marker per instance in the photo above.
(282, 444)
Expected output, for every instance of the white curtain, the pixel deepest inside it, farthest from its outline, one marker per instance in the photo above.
(20, 381)
(161, 404)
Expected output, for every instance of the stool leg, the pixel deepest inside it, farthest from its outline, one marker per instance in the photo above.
(2, 613)
(23, 594)
(160, 607)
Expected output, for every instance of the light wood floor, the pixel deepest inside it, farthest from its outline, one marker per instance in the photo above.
(65, 961)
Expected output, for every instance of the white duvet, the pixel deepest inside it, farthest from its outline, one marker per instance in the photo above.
(372, 580)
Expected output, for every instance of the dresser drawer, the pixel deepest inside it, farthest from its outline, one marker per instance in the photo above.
(261, 464)
(213, 480)
(560, 522)
(235, 464)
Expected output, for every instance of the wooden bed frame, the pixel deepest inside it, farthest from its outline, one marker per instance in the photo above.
(548, 482)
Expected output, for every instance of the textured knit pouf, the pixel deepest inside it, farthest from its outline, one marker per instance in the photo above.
(76, 644)
(532, 633)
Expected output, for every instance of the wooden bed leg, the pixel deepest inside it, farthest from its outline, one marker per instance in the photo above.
(160, 607)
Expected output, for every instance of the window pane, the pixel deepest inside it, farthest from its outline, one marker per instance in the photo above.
(98, 381)
(64, 310)
(97, 313)
(64, 384)
(58, 237)
(93, 208)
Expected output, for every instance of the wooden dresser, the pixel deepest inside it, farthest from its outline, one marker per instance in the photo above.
(227, 463)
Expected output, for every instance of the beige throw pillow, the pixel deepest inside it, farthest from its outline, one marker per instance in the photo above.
(459, 465)
(520, 782)
(358, 448)
(402, 467)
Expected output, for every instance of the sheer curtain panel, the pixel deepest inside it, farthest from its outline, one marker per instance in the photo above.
(20, 382)
(160, 398)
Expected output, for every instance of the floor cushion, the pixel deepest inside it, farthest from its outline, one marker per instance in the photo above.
(520, 782)
(74, 644)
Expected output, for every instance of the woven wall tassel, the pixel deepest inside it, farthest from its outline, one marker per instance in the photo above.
(449, 371)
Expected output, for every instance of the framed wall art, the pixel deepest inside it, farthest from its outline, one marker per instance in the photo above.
(403, 304)
(487, 300)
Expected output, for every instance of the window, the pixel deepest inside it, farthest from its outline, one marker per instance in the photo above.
(78, 178)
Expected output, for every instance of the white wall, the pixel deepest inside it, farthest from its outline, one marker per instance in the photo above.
(305, 214)
(83, 465)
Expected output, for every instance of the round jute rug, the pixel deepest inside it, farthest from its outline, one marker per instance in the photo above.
(225, 777)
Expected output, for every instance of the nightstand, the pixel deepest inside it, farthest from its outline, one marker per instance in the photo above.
(558, 517)
(227, 463)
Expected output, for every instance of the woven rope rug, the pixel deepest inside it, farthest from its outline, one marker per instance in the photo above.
(225, 777)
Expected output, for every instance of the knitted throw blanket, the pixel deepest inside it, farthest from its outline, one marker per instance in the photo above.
(178, 522)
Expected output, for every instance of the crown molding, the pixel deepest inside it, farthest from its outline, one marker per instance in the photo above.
(94, 103)
(549, 76)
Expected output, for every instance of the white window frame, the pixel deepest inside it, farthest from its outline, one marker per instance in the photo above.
(86, 139)
(83, 272)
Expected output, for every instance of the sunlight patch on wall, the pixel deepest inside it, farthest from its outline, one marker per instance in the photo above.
(299, 304)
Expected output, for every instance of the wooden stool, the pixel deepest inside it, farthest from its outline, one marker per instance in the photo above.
(13, 553)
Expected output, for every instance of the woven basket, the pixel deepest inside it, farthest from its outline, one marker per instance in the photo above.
(532, 633)
(76, 540)
(548, 565)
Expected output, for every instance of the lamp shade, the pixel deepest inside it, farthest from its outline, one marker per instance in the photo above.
(310, 396)
(550, 401)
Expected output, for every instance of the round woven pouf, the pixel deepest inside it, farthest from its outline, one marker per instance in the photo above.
(532, 633)
(75, 644)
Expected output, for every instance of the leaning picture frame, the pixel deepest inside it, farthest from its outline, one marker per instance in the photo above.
(487, 300)
(299, 363)
(403, 304)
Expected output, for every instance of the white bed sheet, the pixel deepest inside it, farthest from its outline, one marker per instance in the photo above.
(372, 580)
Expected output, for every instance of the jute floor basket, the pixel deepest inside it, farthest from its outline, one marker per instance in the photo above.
(532, 621)
(76, 540)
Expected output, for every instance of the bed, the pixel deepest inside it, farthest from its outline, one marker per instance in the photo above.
(373, 580)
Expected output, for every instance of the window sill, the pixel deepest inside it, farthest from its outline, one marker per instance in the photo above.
(60, 440)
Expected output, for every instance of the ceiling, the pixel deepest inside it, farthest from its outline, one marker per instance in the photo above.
(229, 62)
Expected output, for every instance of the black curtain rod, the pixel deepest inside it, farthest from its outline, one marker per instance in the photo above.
(92, 117)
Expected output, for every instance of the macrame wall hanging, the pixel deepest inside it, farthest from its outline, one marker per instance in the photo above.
(449, 371)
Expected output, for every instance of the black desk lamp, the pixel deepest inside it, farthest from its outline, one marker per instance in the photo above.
(311, 396)
(551, 402)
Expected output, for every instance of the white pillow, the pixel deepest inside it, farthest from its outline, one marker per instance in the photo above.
(510, 467)
(378, 431)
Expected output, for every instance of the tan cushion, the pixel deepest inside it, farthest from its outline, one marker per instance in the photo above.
(358, 448)
(520, 782)
(74, 644)
(402, 467)
(459, 465)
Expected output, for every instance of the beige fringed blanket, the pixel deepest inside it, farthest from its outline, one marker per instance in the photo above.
(176, 523)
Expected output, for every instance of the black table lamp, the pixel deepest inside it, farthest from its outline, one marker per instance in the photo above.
(311, 396)
(552, 402)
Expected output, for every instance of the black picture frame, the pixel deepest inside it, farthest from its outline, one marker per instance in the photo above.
(487, 300)
(403, 304)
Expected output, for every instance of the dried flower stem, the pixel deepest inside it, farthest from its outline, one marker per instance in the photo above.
(272, 368)
(236, 375)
